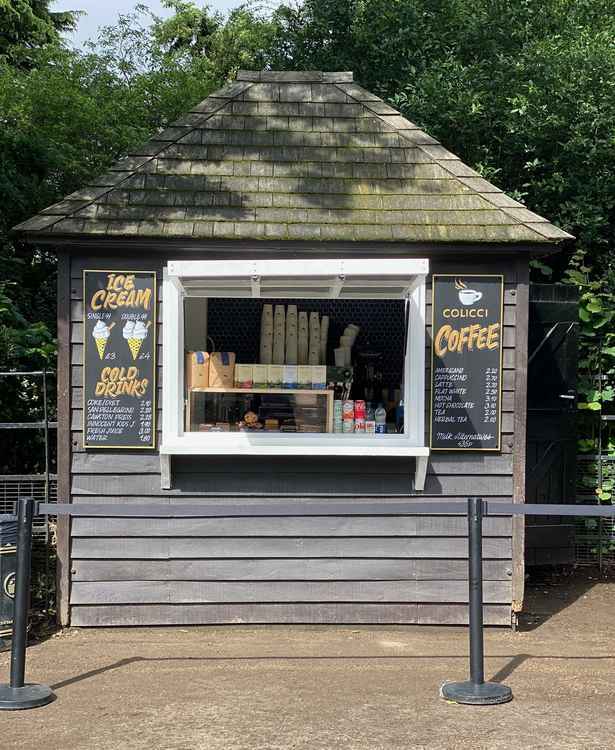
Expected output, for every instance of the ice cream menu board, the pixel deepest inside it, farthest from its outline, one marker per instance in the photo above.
(466, 365)
(119, 358)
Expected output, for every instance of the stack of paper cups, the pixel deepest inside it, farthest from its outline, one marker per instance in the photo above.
(279, 334)
(314, 347)
(266, 347)
(291, 335)
(303, 337)
(324, 332)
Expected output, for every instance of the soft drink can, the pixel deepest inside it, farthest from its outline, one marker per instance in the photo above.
(359, 409)
(359, 424)
(348, 425)
(348, 410)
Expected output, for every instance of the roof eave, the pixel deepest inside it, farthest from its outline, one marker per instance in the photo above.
(258, 246)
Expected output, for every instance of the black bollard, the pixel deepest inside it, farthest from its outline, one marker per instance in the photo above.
(17, 694)
(476, 691)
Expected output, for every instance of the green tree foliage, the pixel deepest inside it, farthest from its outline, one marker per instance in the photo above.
(29, 25)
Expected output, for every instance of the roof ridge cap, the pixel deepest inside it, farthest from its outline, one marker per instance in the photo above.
(146, 160)
(295, 76)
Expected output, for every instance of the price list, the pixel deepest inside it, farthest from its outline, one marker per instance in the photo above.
(119, 335)
(466, 373)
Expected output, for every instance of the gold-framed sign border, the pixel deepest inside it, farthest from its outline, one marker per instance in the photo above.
(499, 276)
(97, 446)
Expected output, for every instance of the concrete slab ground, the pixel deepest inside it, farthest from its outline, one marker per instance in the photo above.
(313, 688)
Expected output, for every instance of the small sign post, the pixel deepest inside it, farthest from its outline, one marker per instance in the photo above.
(119, 359)
(466, 365)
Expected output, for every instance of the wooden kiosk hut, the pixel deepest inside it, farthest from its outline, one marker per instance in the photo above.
(291, 293)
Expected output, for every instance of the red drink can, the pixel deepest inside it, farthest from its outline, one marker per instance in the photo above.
(359, 424)
(359, 409)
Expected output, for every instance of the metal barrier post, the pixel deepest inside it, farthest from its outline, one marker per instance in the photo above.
(17, 694)
(476, 691)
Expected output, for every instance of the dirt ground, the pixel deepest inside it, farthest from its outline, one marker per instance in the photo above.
(313, 688)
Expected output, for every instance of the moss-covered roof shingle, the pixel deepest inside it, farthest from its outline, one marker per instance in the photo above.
(294, 156)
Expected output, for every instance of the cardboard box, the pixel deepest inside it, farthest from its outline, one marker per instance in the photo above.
(290, 376)
(275, 376)
(304, 376)
(197, 370)
(260, 376)
(319, 377)
(222, 369)
(243, 376)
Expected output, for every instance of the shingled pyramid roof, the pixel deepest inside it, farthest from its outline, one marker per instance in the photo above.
(293, 156)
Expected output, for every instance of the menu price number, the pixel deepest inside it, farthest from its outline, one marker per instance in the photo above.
(492, 395)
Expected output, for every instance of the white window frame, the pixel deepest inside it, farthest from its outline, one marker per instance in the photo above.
(330, 278)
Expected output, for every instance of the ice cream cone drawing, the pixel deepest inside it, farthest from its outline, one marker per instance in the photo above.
(101, 335)
(135, 334)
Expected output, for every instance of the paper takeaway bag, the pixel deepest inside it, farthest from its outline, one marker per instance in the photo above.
(197, 369)
(222, 370)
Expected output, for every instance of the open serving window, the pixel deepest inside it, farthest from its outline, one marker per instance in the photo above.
(295, 357)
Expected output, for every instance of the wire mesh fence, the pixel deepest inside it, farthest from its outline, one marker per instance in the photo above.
(594, 537)
(14, 486)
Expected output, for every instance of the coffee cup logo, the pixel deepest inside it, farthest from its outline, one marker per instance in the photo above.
(9, 586)
(467, 296)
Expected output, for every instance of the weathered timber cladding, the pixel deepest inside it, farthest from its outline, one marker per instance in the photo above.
(353, 569)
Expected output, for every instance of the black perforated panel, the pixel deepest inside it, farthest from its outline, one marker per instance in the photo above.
(234, 325)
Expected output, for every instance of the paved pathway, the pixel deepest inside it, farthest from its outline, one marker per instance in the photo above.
(313, 688)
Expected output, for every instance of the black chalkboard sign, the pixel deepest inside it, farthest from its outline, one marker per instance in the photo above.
(119, 358)
(466, 363)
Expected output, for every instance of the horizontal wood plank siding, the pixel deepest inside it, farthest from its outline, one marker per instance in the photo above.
(316, 526)
(287, 569)
(208, 483)
(356, 613)
(283, 569)
(257, 592)
(173, 548)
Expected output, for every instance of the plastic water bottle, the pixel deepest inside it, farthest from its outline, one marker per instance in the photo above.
(381, 420)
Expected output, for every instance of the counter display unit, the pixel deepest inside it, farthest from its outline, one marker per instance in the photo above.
(259, 410)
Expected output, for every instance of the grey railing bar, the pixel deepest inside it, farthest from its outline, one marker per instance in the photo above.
(545, 509)
(228, 510)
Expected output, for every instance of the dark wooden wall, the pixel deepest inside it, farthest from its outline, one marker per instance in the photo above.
(282, 569)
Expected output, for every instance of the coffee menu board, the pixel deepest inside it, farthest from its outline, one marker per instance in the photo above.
(466, 365)
(119, 358)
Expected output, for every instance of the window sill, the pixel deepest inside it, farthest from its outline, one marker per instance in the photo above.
(272, 444)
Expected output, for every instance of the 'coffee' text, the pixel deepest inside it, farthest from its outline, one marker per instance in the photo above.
(467, 338)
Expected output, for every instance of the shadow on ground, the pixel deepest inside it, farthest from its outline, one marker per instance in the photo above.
(549, 591)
